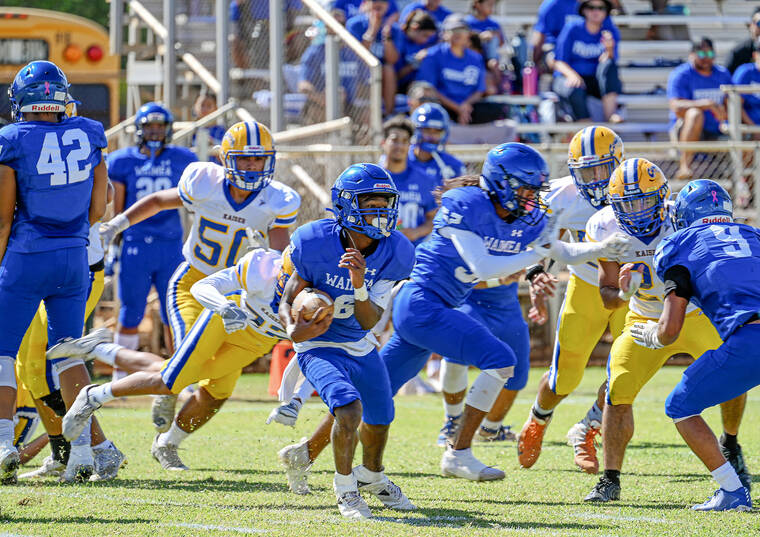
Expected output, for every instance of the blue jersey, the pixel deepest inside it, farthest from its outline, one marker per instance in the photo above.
(439, 14)
(439, 266)
(581, 49)
(316, 249)
(723, 261)
(54, 165)
(501, 296)
(141, 176)
(350, 8)
(352, 71)
(416, 199)
(749, 74)
(477, 25)
(685, 82)
(454, 77)
(448, 168)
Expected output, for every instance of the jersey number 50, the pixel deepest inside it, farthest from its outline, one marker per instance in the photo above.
(50, 161)
(212, 256)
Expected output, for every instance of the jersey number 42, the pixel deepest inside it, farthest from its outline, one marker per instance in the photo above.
(68, 171)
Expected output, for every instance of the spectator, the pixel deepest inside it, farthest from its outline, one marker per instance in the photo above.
(431, 130)
(250, 35)
(343, 10)
(418, 33)
(457, 73)
(420, 92)
(433, 7)
(585, 62)
(491, 39)
(417, 206)
(203, 106)
(747, 74)
(381, 38)
(742, 53)
(695, 97)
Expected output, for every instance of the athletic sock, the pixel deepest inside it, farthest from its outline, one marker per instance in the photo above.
(491, 425)
(83, 440)
(106, 352)
(105, 444)
(594, 414)
(453, 410)
(101, 394)
(344, 483)
(541, 413)
(173, 436)
(130, 341)
(613, 475)
(60, 447)
(6, 432)
(367, 476)
(726, 477)
(729, 441)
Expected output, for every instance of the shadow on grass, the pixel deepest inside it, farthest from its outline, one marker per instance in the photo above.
(7, 517)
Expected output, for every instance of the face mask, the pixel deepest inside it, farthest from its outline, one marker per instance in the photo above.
(381, 224)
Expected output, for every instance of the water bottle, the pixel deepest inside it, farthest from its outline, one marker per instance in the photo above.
(530, 79)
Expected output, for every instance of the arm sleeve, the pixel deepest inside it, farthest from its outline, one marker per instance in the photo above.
(192, 188)
(564, 44)
(296, 253)
(427, 70)
(541, 25)
(678, 280)
(8, 150)
(483, 265)
(678, 86)
(288, 211)
(210, 291)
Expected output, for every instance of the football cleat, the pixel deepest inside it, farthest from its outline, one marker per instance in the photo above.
(108, 460)
(295, 459)
(352, 505)
(502, 434)
(448, 432)
(386, 491)
(736, 458)
(604, 491)
(530, 440)
(582, 437)
(80, 412)
(50, 468)
(81, 465)
(9, 463)
(462, 463)
(286, 414)
(723, 500)
(167, 456)
(81, 347)
(162, 412)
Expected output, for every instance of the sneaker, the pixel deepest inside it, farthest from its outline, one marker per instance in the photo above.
(387, 492)
(286, 413)
(462, 463)
(167, 456)
(736, 458)
(530, 440)
(502, 434)
(582, 437)
(108, 460)
(448, 432)
(81, 347)
(162, 412)
(295, 459)
(81, 410)
(50, 468)
(352, 505)
(604, 491)
(723, 500)
(81, 464)
(9, 463)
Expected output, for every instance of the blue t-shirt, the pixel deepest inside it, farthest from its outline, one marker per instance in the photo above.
(259, 9)
(352, 71)
(452, 167)
(477, 25)
(439, 266)
(315, 250)
(54, 164)
(439, 14)
(685, 82)
(749, 74)
(581, 49)
(553, 15)
(407, 50)
(358, 26)
(141, 176)
(351, 7)
(416, 199)
(723, 261)
(454, 77)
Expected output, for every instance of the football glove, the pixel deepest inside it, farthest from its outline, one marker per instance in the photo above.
(645, 334)
(234, 318)
(113, 227)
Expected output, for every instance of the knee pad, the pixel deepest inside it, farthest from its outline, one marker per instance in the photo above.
(54, 401)
(503, 373)
(67, 363)
(8, 372)
(453, 377)
(486, 389)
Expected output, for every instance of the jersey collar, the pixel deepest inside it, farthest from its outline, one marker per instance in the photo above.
(235, 205)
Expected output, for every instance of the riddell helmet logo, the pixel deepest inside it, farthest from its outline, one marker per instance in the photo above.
(46, 108)
(714, 219)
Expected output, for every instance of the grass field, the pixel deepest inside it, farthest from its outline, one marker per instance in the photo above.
(236, 486)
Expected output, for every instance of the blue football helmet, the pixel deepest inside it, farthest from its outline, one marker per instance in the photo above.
(510, 167)
(430, 116)
(359, 179)
(153, 113)
(39, 86)
(702, 201)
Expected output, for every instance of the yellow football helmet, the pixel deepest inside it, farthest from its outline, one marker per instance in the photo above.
(593, 154)
(247, 139)
(637, 192)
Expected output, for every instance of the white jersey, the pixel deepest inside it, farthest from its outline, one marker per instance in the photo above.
(217, 238)
(95, 252)
(648, 300)
(563, 196)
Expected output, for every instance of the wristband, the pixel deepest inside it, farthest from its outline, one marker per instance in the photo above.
(533, 271)
(119, 222)
(360, 293)
(289, 330)
(493, 282)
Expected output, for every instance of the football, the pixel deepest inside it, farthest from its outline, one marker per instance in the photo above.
(309, 301)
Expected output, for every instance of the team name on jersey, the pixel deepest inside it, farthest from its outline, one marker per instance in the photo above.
(161, 168)
(233, 218)
(344, 284)
(644, 253)
(501, 245)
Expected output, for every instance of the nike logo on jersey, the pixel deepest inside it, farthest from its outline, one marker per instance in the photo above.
(343, 284)
(233, 218)
(500, 245)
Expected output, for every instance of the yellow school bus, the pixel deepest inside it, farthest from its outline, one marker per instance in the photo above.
(77, 45)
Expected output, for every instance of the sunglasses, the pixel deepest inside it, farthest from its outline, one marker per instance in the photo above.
(706, 54)
(595, 7)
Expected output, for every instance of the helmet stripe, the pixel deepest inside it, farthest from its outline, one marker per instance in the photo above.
(247, 134)
(587, 146)
(592, 141)
(258, 134)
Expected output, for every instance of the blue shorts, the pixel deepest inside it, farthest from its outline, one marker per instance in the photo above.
(341, 378)
(60, 278)
(718, 375)
(506, 322)
(423, 324)
(145, 264)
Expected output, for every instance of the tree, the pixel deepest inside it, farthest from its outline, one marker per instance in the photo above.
(95, 10)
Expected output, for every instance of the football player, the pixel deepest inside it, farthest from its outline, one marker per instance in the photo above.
(431, 130)
(53, 184)
(151, 250)
(638, 191)
(228, 203)
(355, 258)
(699, 263)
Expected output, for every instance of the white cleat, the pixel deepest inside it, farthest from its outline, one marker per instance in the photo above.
(387, 492)
(162, 412)
(50, 468)
(81, 410)
(108, 460)
(81, 465)
(462, 463)
(352, 505)
(286, 414)
(81, 347)
(9, 463)
(295, 459)
(167, 456)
